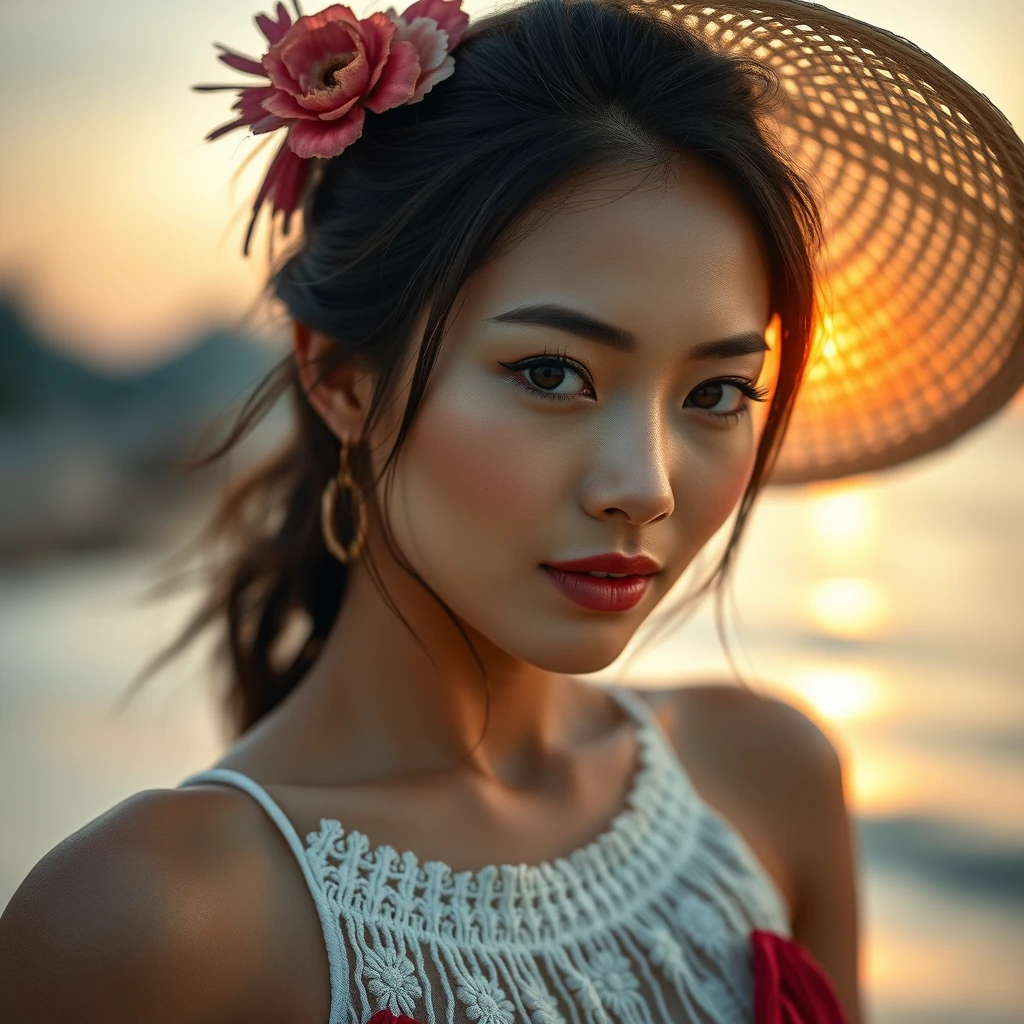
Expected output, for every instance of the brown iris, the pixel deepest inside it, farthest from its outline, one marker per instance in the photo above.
(547, 375)
(709, 391)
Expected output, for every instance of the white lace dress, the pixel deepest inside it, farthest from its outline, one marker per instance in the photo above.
(648, 924)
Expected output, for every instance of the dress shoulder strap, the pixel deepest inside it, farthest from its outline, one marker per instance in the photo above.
(336, 956)
(636, 707)
(642, 712)
(633, 704)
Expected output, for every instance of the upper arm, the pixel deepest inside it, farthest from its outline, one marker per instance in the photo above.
(827, 913)
(774, 771)
(121, 922)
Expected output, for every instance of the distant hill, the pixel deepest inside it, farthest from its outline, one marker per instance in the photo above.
(35, 377)
(38, 379)
(85, 453)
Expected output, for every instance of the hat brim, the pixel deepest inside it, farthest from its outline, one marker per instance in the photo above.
(921, 179)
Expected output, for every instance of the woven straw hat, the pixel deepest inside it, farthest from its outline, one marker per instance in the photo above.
(921, 330)
(920, 180)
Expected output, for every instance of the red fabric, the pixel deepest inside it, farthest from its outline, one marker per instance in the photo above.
(387, 1017)
(789, 985)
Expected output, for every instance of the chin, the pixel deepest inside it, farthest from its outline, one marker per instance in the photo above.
(575, 656)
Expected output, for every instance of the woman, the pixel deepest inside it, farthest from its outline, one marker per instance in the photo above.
(557, 288)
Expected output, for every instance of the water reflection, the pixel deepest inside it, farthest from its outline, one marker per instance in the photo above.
(925, 703)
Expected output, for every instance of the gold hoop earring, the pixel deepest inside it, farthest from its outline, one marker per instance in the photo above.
(348, 552)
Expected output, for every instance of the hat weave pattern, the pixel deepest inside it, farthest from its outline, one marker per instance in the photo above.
(920, 332)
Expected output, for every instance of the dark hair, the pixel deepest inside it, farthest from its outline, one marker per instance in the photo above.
(541, 93)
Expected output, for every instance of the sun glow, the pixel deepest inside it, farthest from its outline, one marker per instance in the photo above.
(843, 519)
(848, 607)
(838, 693)
(826, 349)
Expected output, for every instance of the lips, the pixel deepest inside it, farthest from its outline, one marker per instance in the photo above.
(629, 565)
(599, 593)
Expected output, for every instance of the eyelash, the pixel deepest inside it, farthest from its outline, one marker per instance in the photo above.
(751, 390)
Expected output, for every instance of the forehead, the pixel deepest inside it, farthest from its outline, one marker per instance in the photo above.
(672, 252)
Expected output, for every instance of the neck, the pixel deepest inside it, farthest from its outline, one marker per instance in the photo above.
(381, 705)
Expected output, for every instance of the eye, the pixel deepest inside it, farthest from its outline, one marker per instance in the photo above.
(542, 375)
(731, 393)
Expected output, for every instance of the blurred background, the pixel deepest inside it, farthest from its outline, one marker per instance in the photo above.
(891, 608)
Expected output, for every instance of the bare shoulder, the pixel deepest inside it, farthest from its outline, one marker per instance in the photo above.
(753, 752)
(768, 726)
(779, 778)
(159, 910)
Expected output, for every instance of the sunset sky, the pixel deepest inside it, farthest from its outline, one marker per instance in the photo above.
(121, 225)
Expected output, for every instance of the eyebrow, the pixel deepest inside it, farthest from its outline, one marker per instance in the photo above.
(561, 318)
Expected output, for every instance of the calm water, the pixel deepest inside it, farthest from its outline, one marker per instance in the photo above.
(892, 611)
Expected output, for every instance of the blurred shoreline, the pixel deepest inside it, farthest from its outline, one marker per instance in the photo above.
(90, 459)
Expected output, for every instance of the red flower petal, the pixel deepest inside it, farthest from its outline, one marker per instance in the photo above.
(432, 45)
(447, 13)
(298, 64)
(278, 73)
(283, 105)
(270, 123)
(239, 61)
(304, 53)
(332, 115)
(398, 78)
(295, 54)
(427, 82)
(789, 985)
(275, 31)
(228, 126)
(326, 139)
(283, 185)
(378, 34)
(251, 102)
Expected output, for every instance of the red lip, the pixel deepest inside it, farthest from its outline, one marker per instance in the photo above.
(599, 593)
(634, 565)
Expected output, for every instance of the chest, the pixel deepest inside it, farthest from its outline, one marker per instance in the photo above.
(688, 952)
(683, 957)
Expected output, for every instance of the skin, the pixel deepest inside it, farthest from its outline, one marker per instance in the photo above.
(492, 481)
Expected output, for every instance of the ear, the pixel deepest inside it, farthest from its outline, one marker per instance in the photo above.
(341, 396)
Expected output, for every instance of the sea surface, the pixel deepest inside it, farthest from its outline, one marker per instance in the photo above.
(890, 609)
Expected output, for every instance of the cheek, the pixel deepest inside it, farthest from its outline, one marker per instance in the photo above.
(712, 482)
(467, 491)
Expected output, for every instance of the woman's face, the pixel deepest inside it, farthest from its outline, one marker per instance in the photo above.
(638, 444)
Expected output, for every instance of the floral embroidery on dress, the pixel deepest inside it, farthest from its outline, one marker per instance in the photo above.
(588, 995)
(392, 980)
(725, 1002)
(614, 979)
(542, 1006)
(704, 923)
(609, 983)
(486, 1001)
(665, 952)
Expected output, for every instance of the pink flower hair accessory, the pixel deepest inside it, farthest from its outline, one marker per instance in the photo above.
(325, 71)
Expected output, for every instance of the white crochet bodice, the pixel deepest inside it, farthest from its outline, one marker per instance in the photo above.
(648, 924)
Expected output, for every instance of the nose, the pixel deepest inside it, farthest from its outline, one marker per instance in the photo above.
(630, 475)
